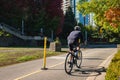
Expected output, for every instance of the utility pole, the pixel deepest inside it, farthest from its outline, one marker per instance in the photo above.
(74, 5)
(85, 31)
(22, 27)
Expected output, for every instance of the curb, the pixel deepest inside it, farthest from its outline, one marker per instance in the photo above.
(104, 64)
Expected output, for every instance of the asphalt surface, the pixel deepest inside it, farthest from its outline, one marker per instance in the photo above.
(95, 62)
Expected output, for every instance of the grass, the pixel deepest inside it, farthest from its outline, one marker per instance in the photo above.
(113, 71)
(10, 56)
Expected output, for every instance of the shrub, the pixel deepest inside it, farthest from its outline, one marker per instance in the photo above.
(113, 71)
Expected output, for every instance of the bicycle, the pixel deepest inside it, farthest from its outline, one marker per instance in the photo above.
(76, 60)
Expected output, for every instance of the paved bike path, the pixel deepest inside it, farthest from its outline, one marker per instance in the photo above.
(32, 70)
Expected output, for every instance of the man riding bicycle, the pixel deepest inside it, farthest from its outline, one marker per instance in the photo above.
(75, 38)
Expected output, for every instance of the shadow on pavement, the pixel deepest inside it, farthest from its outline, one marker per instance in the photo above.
(94, 58)
(86, 71)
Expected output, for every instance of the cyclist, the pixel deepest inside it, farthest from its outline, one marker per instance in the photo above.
(75, 38)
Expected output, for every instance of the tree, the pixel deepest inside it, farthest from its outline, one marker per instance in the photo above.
(106, 13)
(69, 22)
(112, 15)
(36, 14)
(55, 15)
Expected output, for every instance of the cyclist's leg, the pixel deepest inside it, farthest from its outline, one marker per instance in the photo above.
(71, 46)
(77, 46)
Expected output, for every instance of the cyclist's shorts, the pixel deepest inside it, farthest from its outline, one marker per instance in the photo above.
(72, 44)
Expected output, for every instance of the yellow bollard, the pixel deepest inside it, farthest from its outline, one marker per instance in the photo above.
(44, 58)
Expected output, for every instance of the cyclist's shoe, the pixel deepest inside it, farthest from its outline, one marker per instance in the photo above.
(71, 63)
(74, 62)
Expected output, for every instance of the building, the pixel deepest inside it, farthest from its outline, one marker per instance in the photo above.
(79, 17)
(85, 20)
(65, 5)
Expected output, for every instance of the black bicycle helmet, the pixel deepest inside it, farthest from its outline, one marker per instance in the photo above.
(77, 28)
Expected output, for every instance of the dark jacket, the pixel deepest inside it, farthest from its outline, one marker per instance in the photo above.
(74, 36)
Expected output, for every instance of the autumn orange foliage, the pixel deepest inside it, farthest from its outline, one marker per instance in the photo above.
(112, 15)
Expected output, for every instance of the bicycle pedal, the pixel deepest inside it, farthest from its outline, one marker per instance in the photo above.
(74, 62)
(70, 66)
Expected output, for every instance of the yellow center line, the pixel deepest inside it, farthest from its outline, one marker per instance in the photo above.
(36, 72)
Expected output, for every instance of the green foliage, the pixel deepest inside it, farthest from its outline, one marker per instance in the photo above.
(40, 19)
(113, 71)
(98, 8)
(52, 24)
(3, 33)
(93, 32)
(36, 15)
(69, 23)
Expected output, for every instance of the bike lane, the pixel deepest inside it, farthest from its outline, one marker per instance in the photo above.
(55, 64)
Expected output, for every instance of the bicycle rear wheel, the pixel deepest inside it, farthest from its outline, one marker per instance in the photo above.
(68, 64)
(79, 60)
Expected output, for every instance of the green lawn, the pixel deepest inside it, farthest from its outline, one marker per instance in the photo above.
(10, 56)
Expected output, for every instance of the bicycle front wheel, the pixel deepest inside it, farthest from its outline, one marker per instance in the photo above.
(68, 64)
(79, 59)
